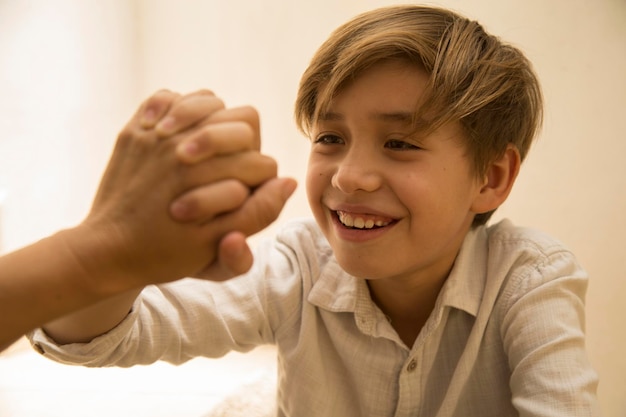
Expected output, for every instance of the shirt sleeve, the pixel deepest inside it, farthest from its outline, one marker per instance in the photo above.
(178, 321)
(543, 336)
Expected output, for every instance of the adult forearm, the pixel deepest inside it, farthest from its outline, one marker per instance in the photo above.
(43, 282)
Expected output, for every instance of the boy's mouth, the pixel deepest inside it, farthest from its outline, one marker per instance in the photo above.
(362, 221)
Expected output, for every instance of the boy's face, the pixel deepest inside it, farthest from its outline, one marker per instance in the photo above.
(390, 204)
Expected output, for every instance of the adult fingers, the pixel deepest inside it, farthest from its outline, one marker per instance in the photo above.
(155, 107)
(260, 209)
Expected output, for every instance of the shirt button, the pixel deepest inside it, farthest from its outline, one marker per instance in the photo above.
(411, 366)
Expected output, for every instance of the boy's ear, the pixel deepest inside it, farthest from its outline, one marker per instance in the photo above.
(498, 181)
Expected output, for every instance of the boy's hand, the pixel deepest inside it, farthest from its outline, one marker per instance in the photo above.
(205, 158)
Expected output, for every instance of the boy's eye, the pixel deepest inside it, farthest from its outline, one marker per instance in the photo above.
(400, 145)
(328, 140)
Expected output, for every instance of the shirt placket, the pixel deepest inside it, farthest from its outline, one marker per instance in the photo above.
(408, 392)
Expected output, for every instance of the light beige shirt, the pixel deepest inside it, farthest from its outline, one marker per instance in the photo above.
(506, 337)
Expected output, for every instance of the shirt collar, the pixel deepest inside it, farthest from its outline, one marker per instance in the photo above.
(336, 290)
(465, 285)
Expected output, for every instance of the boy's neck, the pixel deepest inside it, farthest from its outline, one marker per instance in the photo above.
(406, 306)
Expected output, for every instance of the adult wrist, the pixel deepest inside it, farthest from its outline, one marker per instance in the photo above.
(97, 262)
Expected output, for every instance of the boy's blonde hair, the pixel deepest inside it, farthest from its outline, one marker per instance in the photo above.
(485, 84)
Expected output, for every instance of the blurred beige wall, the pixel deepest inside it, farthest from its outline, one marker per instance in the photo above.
(71, 73)
(67, 85)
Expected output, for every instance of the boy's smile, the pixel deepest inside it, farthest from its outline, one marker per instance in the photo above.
(392, 204)
(362, 220)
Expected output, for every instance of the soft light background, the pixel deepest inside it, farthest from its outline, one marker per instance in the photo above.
(73, 71)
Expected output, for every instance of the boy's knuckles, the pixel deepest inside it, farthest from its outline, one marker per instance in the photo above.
(223, 138)
(237, 128)
(187, 112)
(245, 114)
(250, 115)
(195, 106)
(250, 168)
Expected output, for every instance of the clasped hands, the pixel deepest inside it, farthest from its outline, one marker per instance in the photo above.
(185, 186)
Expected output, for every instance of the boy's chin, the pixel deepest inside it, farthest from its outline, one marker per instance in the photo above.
(361, 270)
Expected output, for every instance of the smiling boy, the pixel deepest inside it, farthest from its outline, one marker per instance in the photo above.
(398, 300)
(395, 206)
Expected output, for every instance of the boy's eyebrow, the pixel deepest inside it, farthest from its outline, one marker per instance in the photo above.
(404, 117)
(330, 116)
(399, 116)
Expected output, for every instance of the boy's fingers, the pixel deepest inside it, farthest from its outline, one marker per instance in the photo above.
(216, 139)
(246, 114)
(205, 203)
(234, 257)
(250, 168)
(188, 111)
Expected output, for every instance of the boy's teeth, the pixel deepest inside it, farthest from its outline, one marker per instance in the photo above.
(359, 222)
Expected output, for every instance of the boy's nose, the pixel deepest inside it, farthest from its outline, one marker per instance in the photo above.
(356, 174)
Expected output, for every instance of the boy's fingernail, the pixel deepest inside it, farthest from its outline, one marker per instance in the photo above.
(187, 151)
(166, 124)
(190, 148)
